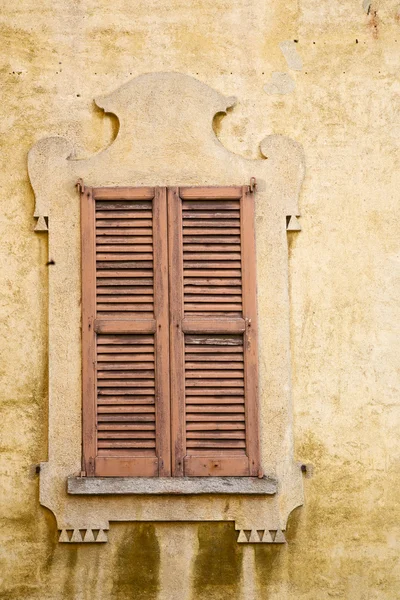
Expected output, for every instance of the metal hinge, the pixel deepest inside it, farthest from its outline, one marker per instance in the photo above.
(80, 185)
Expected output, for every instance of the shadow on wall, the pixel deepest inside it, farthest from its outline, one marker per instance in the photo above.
(217, 569)
(136, 572)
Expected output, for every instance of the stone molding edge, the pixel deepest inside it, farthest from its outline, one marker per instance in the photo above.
(261, 536)
(96, 536)
(171, 485)
(79, 536)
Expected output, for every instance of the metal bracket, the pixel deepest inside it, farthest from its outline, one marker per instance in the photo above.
(80, 185)
(253, 185)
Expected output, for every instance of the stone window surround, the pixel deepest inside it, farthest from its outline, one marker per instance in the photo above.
(176, 113)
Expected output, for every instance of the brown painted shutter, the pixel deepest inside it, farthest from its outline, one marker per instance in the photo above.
(125, 332)
(213, 332)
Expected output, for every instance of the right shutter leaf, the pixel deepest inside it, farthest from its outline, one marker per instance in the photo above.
(213, 332)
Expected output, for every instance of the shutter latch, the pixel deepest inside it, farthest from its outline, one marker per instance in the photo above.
(253, 185)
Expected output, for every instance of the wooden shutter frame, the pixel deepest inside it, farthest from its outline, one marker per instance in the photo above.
(249, 283)
(171, 450)
(88, 273)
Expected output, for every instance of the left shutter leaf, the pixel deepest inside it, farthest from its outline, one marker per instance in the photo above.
(125, 332)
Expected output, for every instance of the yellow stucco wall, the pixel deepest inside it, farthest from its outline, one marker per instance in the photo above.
(344, 276)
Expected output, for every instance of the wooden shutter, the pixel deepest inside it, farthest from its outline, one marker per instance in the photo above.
(125, 332)
(213, 332)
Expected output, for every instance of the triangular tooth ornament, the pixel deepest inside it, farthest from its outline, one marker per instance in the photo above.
(76, 536)
(41, 225)
(102, 536)
(267, 537)
(242, 538)
(63, 536)
(254, 537)
(89, 537)
(279, 538)
(293, 224)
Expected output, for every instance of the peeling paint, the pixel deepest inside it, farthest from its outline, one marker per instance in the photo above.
(292, 57)
(280, 83)
(366, 6)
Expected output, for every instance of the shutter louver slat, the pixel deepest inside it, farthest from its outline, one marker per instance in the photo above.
(214, 425)
(119, 260)
(210, 258)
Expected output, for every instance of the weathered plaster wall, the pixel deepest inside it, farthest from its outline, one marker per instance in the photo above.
(343, 106)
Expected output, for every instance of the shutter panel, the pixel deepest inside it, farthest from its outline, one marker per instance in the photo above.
(125, 332)
(213, 332)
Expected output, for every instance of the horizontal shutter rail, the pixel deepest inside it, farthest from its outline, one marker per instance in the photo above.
(123, 193)
(114, 326)
(204, 326)
(210, 193)
(118, 467)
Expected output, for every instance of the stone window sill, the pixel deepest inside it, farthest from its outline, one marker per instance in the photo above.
(177, 486)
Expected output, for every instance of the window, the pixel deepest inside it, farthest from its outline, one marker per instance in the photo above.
(169, 332)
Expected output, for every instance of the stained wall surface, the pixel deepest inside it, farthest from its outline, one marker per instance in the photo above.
(334, 87)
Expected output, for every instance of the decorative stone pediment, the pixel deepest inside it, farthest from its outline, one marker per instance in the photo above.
(166, 138)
